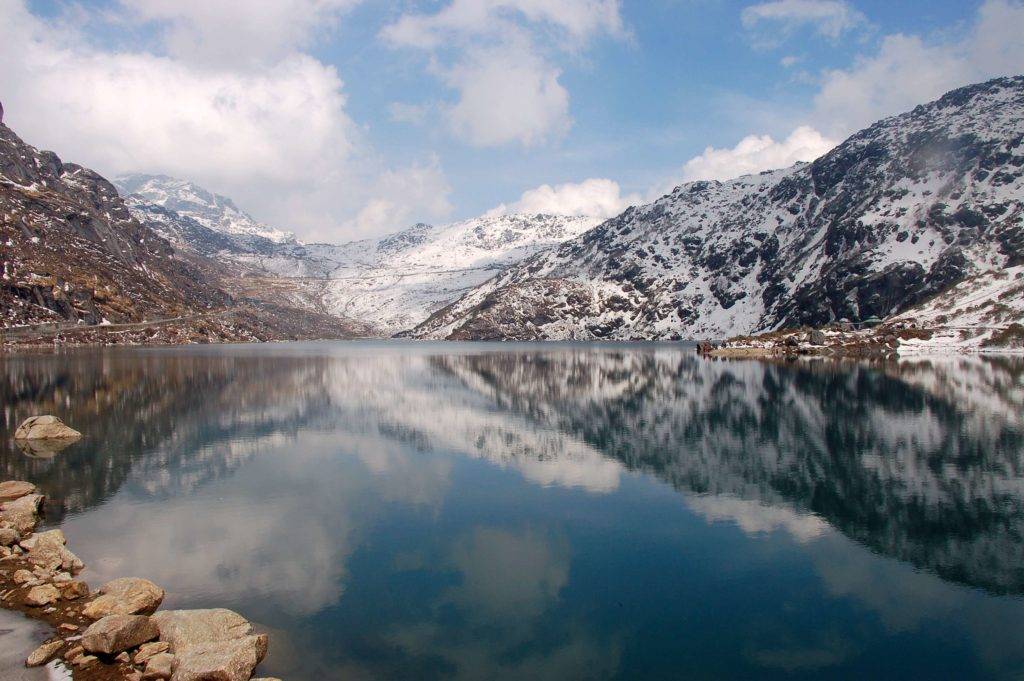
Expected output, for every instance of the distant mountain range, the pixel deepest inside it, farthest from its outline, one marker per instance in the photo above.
(893, 216)
(900, 219)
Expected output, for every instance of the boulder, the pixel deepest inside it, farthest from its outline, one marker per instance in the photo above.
(125, 596)
(43, 653)
(47, 550)
(45, 428)
(817, 337)
(41, 595)
(22, 576)
(232, 660)
(73, 590)
(44, 449)
(184, 628)
(15, 489)
(211, 644)
(160, 666)
(23, 513)
(116, 633)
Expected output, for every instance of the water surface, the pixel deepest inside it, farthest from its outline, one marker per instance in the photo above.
(551, 511)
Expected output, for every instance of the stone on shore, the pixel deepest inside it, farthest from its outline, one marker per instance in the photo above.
(15, 489)
(8, 536)
(43, 653)
(47, 550)
(160, 666)
(72, 591)
(23, 513)
(125, 596)
(45, 428)
(117, 633)
(22, 576)
(148, 650)
(45, 594)
(211, 644)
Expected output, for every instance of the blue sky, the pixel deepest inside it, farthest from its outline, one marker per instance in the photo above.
(346, 118)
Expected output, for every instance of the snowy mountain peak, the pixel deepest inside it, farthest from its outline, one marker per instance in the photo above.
(899, 212)
(187, 199)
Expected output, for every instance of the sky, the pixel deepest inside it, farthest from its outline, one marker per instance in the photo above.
(343, 119)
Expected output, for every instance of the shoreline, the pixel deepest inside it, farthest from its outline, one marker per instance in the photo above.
(116, 632)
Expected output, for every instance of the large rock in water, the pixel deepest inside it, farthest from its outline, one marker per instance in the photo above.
(125, 596)
(45, 428)
(15, 489)
(211, 644)
(116, 633)
(22, 513)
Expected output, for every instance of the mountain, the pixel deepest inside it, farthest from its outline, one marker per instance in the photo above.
(77, 259)
(898, 213)
(393, 282)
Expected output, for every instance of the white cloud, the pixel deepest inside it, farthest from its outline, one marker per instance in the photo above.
(277, 139)
(755, 153)
(402, 197)
(498, 56)
(908, 70)
(221, 32)
(507, 94)
(596, 197)
(829, 18)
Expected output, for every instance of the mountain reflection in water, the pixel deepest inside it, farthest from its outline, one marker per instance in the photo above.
(448, 511)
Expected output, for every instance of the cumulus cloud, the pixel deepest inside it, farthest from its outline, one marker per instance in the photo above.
(219, 32)
(498, 56)
(755, 153)
(596, 197)
(829, 18)
(908, 70)
(507, 94)
(277, 139)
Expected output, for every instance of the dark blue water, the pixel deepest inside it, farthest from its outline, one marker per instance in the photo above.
(416, 511)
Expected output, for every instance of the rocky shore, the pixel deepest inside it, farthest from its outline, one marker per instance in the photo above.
(115, 632)
(834, 341)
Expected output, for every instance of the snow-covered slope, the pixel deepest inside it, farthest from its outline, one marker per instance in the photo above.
(189, 200)
(894, 215)
(393, 283)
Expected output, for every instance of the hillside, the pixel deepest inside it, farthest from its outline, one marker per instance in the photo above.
(392, 283)
(896, 214)
(77, 261)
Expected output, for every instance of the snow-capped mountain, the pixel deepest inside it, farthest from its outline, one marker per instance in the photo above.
(899, 212)
(189, 200)
(394, 282)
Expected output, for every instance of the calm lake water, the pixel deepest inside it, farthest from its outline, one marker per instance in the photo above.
(421, 511)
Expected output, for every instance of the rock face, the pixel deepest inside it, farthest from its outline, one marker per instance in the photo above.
(897, 213)
(117, 633)
(45, 428)
(125, 596)
(211, 644)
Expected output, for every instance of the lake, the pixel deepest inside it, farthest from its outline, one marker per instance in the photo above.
(391, 510)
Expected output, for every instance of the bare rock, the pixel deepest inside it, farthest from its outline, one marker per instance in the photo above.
(125, 596)
(232, 660)
(184, 628)
(46, 549)
(45, 428)
(8, 536)
(15, 489)
(23, 513)
(72, 591)
(43, 653)
(45, 594)
(148, 650)
(160, 666)
(22, 576)
(116, 633)
(211, 644)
